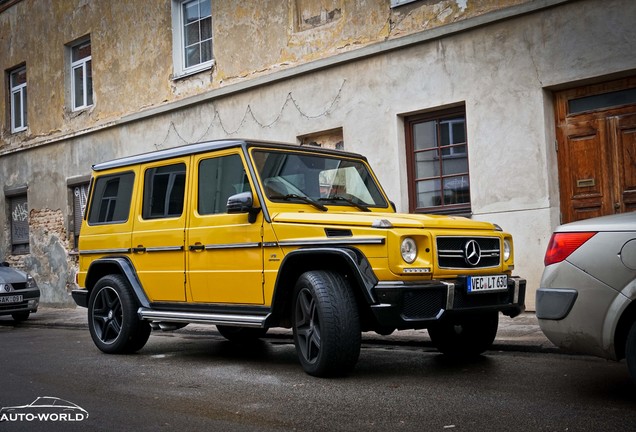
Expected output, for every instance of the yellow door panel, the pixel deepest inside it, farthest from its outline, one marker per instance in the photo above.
(159, 230)
(225, 257)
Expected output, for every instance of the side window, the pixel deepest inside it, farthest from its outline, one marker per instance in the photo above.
(437, 157)
(79, 192)
(19, 224)
(219, 179)
(164, 190)
(111, 199)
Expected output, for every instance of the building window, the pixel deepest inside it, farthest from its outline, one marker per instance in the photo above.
(18, 84)
(330, 139)
(192, 36)
(81, 76)
(19, 220)
(437, 157)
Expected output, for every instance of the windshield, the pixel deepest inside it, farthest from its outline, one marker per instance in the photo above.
(324, 179)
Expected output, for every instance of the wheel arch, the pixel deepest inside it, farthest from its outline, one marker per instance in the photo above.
(348, 261)
(628, 317)
(116, 265)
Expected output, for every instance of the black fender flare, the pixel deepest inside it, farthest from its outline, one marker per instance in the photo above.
(296, 262)
(120, 265)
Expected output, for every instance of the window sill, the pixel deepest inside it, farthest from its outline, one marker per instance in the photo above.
(81, 109)
(193, 71)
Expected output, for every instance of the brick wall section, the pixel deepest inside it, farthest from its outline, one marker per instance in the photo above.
(49, 261)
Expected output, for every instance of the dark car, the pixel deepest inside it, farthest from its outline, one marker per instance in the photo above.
(19, 293)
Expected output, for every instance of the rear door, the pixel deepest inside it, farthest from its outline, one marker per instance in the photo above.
(158, 237)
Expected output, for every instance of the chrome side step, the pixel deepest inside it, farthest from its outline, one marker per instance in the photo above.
(256, 321)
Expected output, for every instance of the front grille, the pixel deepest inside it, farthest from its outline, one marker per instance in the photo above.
(14, 306)
(423, 304)
(18, 285)
(451, 252)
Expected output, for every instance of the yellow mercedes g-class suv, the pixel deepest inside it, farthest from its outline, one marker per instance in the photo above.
(250, 235)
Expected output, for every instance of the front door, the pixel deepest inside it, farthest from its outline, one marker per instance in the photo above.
(596, 139)
(225, 254)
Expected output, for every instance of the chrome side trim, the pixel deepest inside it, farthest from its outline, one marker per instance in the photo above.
(255, 321)
(104, 251)
(232, 246)
(164, 249)
(334, 242)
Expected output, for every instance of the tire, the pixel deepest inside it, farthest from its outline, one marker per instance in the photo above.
(630, 352)
(465, 337)
(112, 317)
(241, 334)
(326, 324)
(20, 316)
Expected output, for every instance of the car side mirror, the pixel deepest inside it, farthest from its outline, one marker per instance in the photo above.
(243, 203)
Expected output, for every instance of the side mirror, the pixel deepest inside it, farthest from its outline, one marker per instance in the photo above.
(243, 203)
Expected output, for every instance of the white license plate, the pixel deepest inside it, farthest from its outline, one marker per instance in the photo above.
(476, 284)
(11, 299)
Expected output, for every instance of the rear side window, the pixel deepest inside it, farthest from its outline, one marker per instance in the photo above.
(164, 190)
(111, 199)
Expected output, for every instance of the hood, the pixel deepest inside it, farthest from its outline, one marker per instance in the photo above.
(11, 275)
(398, 220)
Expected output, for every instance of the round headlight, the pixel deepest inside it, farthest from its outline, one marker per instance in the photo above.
(507, 249)
(408, 250)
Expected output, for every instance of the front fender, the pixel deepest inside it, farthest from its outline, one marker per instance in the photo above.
(346, 259)
(116, 265)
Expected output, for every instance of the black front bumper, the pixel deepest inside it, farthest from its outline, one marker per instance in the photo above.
(409, 305)
(80, 296)
(29, 303)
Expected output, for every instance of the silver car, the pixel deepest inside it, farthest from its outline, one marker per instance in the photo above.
(585, 302)
(19, 294)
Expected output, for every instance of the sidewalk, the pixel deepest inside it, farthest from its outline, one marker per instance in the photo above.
(515, 334)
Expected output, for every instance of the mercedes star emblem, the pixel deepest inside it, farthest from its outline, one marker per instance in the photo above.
(472, 252)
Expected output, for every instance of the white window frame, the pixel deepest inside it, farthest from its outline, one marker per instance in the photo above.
(83, 65)
(21, 91)
(178, 43)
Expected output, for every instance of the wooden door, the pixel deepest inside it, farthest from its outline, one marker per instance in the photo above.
(596, 147)
(623, 128)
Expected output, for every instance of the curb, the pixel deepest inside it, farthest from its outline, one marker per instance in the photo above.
(520, 334)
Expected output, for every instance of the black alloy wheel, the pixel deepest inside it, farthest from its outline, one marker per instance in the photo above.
(112, 317)
(326, 324)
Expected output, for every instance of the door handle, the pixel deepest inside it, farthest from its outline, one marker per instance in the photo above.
(197, 247)
(139, 249)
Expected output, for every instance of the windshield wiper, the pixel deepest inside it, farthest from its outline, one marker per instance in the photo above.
(302, 198)
(348, 200)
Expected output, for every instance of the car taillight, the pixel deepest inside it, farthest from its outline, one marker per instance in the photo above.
(562, 245)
